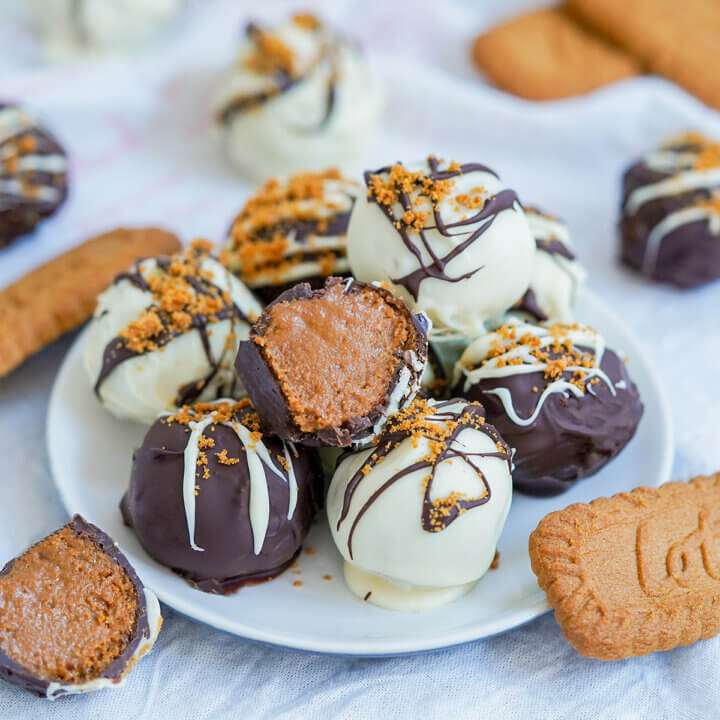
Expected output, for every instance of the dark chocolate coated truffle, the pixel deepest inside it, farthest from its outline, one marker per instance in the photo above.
(292, 230)
(75, 617)
(328, 366)
(33, 173)
(556, 394)
(670, 212)
(218, 502)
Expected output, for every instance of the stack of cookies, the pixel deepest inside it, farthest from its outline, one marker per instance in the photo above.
(582, 45)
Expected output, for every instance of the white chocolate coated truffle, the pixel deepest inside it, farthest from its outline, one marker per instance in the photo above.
(557, 275)
(417, 516)
(73, 27)
(297, 98)
(166, 333)
(450, 239)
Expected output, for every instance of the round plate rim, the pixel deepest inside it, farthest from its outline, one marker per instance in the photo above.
(502, 623)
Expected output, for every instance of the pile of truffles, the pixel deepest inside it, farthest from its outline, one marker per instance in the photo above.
(420, 332)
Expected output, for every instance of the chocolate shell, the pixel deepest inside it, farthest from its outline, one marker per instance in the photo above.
(146, 629)
(33, 173)
(265, 388)
(202, 524)
(670, 213)
(567, 413)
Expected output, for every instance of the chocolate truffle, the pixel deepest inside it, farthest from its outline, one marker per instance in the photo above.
(670, 215)
(217, 501)
(293, 229)
(451, 240)
(166, 333)
(298, 97)
(557, 275)
(557, 395)
(417, 516)
(328, 366)
(33, 173)
(75, 617)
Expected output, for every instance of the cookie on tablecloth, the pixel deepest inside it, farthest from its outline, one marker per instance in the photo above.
(69, 285)
(677, 40)
(635, 573)
(545, 55)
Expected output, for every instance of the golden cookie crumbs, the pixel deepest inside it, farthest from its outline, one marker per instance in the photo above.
(262, 246)
(297, 583)
(183, 297)
(327, 577)
(223, 458)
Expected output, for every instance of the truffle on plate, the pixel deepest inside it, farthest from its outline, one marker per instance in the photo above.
(417, 515)
(75, 617)
(670, 214)
(217, 501)
(293, 229)
(557, 275)
(298, 97)
(328, 366)
(557, 395)
(451, 240)
(166, 333)
(33, 173)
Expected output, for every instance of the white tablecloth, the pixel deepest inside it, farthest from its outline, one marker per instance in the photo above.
(141, 121)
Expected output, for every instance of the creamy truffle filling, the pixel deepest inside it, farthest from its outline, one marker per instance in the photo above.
(68, 610)
(335, 354)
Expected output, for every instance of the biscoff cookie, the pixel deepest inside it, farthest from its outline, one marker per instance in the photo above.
(634, 573)
(546, 55)
(677, 40)
(60, 295)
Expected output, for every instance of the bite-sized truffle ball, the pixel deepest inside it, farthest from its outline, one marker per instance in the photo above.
(298, 97)
(75, 616)
(670, 215)
(218, 502)
(557, 275)
(451, 239)
(293, 229)
(417, 516)
(166, 333)
(557, 395)
(328, 366)
(75, 27)
(33, 173)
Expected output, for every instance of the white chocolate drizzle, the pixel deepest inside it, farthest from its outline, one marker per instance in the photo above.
(506, 364)
(258, 461)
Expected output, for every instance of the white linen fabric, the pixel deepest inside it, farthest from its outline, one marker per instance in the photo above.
(144, 151)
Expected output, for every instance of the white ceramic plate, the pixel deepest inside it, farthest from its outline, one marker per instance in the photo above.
(90, 454)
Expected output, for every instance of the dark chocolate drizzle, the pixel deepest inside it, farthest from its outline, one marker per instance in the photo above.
(117, 352)
(283, 81)
(20, 213)
(468, 418)
(504, 200)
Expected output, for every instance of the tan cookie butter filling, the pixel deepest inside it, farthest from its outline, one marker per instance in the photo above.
(67, 609)
(335, 355)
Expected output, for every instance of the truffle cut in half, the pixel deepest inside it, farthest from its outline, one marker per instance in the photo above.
(74, 616)
(327, 367)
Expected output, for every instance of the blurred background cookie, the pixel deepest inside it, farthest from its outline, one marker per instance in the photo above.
(33, 173)
(677, 40)
(545, 55)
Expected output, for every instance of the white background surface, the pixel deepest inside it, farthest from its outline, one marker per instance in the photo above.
(137, 131)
